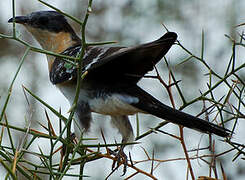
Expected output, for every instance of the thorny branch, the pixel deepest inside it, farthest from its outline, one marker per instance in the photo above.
(228, 109)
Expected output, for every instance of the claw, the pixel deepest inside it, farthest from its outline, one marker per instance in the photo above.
(73, 139)
(120, 157)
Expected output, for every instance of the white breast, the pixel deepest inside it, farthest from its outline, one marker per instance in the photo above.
(115, 104)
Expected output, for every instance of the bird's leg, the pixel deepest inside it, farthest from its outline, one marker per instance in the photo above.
(72, 139)
(123, 125)
(120, 157)
(82, 123)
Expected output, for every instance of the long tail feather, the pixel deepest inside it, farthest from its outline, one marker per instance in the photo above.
(152, 106)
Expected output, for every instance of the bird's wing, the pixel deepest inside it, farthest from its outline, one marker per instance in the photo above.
(62, 71)
(114, 64)
(130, 64)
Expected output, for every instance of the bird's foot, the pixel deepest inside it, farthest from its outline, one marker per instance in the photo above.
(120, 158)
(72, 139)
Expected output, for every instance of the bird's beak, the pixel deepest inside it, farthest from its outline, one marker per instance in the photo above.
(19, 19)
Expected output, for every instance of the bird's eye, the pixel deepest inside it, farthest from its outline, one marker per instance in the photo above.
(43, 20)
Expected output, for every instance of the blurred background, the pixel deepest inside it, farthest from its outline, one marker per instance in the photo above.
(131, 22)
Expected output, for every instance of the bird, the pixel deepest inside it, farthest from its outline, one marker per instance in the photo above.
(110, 86)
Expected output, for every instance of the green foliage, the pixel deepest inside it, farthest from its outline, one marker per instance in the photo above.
(227, 111)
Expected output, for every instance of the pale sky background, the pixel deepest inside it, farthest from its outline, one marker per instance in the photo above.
(131, 23)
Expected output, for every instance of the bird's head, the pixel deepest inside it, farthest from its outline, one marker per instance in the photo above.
(50, 29)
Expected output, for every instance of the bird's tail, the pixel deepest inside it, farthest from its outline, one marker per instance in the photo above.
(152, 106)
